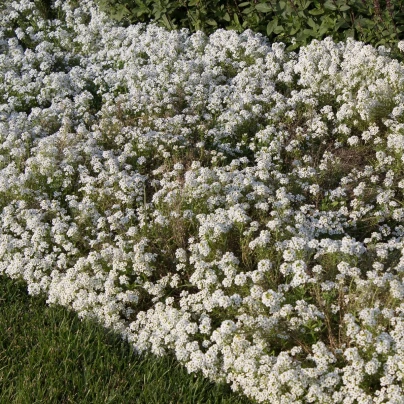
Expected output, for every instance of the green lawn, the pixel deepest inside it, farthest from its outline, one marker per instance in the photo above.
(47, 355)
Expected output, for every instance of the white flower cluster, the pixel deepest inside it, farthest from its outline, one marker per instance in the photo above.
(216, 197)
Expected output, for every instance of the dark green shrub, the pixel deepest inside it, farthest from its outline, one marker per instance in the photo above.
(294, 22)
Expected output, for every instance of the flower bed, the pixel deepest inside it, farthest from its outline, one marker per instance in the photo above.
(217, 197)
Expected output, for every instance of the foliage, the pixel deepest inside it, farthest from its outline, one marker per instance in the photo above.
(294, 22)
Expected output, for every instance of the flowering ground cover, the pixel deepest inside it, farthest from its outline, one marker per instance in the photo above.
(216, 197)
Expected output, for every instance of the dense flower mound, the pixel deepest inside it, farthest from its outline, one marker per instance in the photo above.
(216, 197)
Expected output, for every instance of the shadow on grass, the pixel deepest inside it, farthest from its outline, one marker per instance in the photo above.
(47, 355)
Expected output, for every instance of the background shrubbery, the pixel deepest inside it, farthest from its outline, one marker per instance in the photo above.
(294, 22)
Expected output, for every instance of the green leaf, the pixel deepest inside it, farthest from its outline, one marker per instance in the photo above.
(316, 12)
(226, 17)
(166, 21)
(271, 26)
(344, 8)
(386, 32)
(288, 10)
(301, 37)
(120, 12)
(248, 10)
(307, 4)
(263, 8)
(292, 47)
(294, 29)
(192, 17)
(210, 21)
(349, 33)
(236, 20)
(341, 23)
(193, 2)
(366, 23)
(311, 23)
(278, 29)
(329, 5)
(140, 3)
(245, 4)
(323, 30)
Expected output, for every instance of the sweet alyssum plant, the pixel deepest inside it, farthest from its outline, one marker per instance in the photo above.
(217, 197)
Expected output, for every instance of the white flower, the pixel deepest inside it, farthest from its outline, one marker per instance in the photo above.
(216, 237)
(314, 189)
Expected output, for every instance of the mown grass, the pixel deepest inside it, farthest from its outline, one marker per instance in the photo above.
(47, 355)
